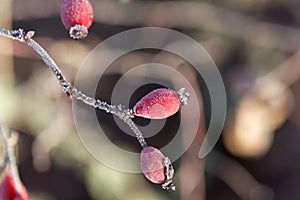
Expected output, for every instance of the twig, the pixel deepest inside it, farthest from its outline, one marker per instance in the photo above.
(5, 157)
(10, 158)
(118, 110)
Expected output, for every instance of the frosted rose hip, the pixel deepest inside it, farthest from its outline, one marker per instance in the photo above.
(158, 104)
(157, 168)
(152, 165)
(77, 16)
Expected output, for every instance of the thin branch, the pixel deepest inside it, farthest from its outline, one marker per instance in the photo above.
(68, 88)
(10, 157)
(4, 160)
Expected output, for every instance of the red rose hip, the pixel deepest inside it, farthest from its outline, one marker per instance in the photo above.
(77, 16)
(160, 103)
(8, 190)
(152, 165)
(157, 168)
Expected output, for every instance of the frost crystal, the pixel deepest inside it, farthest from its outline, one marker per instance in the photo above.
(183, 95)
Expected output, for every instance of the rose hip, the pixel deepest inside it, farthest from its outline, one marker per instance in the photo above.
(158, 104)
(77, 16)
(152, 165)
(8, 190)
(157, 168)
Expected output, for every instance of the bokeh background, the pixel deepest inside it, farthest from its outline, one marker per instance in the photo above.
(255, 45)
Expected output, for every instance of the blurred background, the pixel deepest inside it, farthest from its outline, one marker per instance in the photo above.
(255, 45)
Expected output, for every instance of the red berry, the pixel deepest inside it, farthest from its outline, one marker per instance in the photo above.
(152, 165)
(77, 17)
(8, 190)
(158, 104)
(157, 168)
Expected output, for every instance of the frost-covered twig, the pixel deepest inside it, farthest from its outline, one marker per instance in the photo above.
(67, 87)
(9, 158)
(3, 161)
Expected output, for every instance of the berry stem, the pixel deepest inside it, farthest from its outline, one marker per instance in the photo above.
(118, 110)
